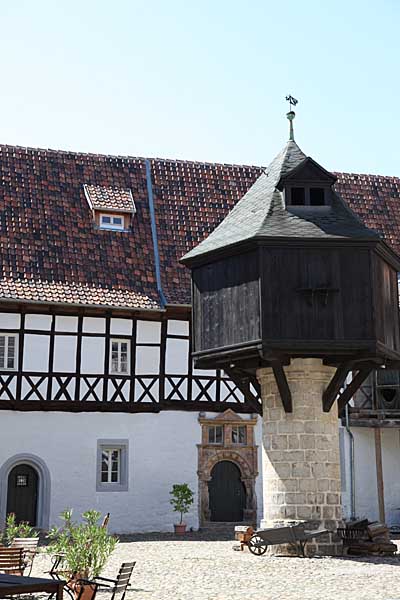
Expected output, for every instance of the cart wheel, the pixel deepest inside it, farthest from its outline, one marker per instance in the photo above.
(257, 546)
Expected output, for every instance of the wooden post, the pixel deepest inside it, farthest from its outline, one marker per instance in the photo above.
(379, 474)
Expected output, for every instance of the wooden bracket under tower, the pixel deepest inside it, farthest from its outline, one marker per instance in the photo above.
(243, 382)
(283, 386)
(337, 382)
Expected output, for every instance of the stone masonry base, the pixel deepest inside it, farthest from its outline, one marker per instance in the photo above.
(301, 464)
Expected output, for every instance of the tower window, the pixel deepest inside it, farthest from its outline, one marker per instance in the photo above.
(298, 196)
(307, 196)
(317, 196)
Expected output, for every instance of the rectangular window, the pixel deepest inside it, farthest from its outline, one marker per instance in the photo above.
(110, 221)
(298, 196)
(120, 351)
(8, 351)
(239, 435)
(317, 196)
(216, 434)
(110, 465)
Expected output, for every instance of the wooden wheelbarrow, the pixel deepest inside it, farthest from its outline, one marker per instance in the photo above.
(295, 535)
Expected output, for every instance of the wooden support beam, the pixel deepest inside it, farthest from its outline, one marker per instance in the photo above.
(379, 474)
(283, 386)
(351, 389)
(330, 394)
(242, 382)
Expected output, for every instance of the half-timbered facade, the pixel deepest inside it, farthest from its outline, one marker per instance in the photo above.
(100, 404)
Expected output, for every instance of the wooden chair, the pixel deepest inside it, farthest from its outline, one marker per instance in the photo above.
(119, 585)
(29, 546)
(12, 561)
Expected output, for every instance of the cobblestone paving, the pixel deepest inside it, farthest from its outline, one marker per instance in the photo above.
(198, 569)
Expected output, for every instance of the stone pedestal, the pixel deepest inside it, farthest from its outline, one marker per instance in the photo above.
(301, 463)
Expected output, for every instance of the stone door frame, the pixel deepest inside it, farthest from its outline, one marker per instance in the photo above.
(245, 457)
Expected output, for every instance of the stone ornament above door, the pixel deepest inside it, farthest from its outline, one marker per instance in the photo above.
(228, 437)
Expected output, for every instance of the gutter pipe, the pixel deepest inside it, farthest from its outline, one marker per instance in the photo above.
(352, 480)
(154, 233)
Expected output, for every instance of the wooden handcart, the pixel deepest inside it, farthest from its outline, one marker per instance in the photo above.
(294, 535)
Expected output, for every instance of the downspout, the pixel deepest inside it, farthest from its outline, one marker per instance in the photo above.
(352, 481)
(154, 233)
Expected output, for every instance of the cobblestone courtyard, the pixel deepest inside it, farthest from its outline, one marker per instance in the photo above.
(193, 569)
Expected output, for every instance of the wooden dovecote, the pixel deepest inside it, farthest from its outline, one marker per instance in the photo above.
(292, 272)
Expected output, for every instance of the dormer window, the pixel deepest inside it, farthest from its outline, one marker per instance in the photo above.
(112, 221)
(112, 208)
(307, 196)
(307, 186)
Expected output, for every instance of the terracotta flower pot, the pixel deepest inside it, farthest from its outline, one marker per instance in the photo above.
(180, 529)
(82, 589)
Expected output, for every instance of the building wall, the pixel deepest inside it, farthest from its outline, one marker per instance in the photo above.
(366, 496)
(53, 344)
(162, 451)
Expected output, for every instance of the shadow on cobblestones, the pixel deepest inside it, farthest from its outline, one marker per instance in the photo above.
(190, 536)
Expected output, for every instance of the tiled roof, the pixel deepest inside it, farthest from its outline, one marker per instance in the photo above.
(50, 250)
(101, 197)
(262, 213)
(49, 247)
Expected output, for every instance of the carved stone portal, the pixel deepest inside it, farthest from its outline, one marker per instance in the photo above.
(228, 437)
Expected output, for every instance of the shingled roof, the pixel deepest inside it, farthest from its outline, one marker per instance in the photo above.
(262, 212)
(50, 250)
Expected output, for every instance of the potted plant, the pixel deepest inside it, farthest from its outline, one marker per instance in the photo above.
(182, 500)
(85, 547)
(14, 530)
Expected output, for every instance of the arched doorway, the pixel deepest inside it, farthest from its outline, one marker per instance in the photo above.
(22, 493)
(227, 494)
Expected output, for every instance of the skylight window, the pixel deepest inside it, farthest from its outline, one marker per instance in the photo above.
(112, 221)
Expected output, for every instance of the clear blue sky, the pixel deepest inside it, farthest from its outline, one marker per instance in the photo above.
(204, 80)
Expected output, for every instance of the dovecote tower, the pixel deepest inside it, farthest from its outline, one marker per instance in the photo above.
(293, 289)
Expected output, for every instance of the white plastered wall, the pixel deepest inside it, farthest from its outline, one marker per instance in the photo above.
(366, 495)
(162, 451)
(162, 447)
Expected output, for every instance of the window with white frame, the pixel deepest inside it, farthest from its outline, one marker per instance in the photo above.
(119, 355)
(112, 221)
(8, 351)
(112, 465)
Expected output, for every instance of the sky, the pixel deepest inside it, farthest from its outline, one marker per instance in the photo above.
(204, 80)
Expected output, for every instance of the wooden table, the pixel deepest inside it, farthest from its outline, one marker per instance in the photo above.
(12, 585)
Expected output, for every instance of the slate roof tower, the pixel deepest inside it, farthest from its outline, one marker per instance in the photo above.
(291, 293)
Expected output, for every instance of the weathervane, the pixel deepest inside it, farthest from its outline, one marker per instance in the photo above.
(291, 115)
(292, 101)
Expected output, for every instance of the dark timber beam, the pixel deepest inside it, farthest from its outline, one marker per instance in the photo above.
(351, 389)
(283, 386)
(242, 382)
(333, 389)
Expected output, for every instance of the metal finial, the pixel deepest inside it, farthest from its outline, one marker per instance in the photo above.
(291, 115)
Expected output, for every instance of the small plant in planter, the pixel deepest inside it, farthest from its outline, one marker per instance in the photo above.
(182, 500)
(14, 530)
(85, 547)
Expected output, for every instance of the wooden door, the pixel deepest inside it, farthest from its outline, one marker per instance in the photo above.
(227, 494)
(22, 493)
